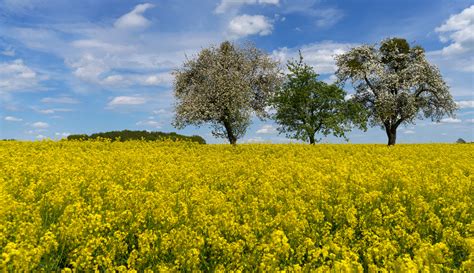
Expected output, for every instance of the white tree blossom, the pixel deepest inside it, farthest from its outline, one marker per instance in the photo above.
(396, 84)
(223, 86)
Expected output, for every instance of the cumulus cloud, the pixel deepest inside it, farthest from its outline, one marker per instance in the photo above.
(111, 56)
(53, 111)
(245, 25)
(89, 68)
(126, 100)
(328, 17)
(100, 45)
(40, 125)
(409, 132)
(226, 5)
(266, 129)
(319, 55)
(60, 100)
(323, 16)
(458, 32)
(17, 76)
(62, 134)
(450, 120)
(92, 69)
(14, 119)
(115, 80)
(10, 52)
(159, 79)
(135, 18)
(255, 140)
(465, 104)
(348, 96)
(149, 123)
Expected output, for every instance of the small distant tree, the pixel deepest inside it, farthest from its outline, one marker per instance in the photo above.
(223, 86)
(460, 141)
(306, 106)
(396, 84)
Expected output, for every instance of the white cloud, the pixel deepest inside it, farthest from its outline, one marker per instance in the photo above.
(226, 5)
(245, 25)
(323, 16)
(53, 111)
(332, 79)
(348, 96)
(467, 113)
(149, 123)
(88, 44)
(40, 125)
(126, 100)
(19, 5)
(159, 79)
(16, 76)
(62, 134)
(89, 68)
(255, 140)
(10, 118)
(60, 100)
(10, 52)
(115, 80)
(135, 18)
(458, 21)
(328, 17)
(465, 104)
(409, 132)
(469, 120)
(458, 31)
(266, 129)
(450, 120)
(40, 137)
(163, 113)
(319, 55)
(112, 57)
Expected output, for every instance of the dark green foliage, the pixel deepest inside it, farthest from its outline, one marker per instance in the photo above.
(137, 135)
(306, 106)
(460, 141)
(78, 137)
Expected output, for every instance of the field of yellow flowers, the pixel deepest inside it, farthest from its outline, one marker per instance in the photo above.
(165, 206)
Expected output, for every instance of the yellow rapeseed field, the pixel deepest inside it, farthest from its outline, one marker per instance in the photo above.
(164, 206)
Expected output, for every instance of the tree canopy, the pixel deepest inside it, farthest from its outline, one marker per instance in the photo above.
(306, 106)
(223, 86)
(396, 84)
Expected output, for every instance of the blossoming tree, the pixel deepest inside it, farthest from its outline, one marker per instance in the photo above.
(396, 84)
(223, 86)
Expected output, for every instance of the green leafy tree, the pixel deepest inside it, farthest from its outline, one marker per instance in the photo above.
(396, 84)
(223, 86)
(306, 106)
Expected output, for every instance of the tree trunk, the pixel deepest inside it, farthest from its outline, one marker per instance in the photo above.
(391, 134)
(230, 135)
(311, 139)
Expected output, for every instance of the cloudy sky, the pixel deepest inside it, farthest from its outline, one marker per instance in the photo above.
(89, 66)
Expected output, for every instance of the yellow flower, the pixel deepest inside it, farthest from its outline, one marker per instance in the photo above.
(164, 207)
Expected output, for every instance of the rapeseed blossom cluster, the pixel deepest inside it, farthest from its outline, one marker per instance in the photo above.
(162, 206)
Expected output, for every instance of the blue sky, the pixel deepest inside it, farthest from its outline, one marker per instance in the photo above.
(88, 66)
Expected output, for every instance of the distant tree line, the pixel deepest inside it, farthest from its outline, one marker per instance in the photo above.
(126, 135)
